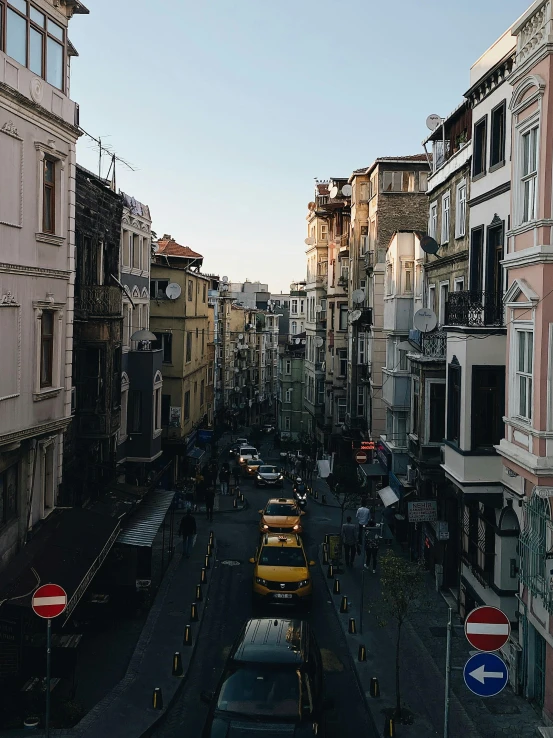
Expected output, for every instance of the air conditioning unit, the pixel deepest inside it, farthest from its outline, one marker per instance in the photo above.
(412, 474)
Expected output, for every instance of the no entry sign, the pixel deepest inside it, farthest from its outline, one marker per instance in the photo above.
(49, 601)
(361, 457)
(487, 628)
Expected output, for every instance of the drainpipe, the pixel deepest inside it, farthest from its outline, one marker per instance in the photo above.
(34, 447)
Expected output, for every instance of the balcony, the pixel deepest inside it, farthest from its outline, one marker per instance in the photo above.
(364, 373)
(434, 345)
(100, 302)
(369, 260)
(475, 309)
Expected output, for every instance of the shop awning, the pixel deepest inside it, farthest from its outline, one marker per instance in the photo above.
(68, 550)
(372, 470)
(143, 526)
(195, 453)
(388, 496)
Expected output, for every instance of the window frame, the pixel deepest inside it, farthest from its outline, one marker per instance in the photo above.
(48, 213)
(49, 339)
(530, 177)
(482, 123)
(481, 419)
(461, 210)
(341, 410)
(500, 161)
(453, 403)
(433, 220)
(526, 374)
(446, 218)
(428, 408)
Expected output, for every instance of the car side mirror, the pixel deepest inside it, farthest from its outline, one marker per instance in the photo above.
(311, 563)
(252, 560)
(206, 697)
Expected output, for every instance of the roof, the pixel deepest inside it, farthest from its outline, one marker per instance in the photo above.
(278, 539)
(144, 525)
(172, 248)
(273, 641)
(397, 160)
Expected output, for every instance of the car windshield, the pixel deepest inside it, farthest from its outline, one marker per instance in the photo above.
(254, 462)
(280, 508)
(256, 692)
(281, 556)
(268, 470)
(246, 451)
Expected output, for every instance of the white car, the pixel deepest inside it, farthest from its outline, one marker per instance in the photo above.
(246, 453)
(237, 445)
(269, 476)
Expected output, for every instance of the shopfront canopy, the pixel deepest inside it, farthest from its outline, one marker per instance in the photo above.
(388, 496)
(142, 527)
(373, 470)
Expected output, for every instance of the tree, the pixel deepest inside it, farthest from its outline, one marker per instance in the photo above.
(402, 584)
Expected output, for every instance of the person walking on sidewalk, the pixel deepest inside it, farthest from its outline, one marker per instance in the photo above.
(349, 539)
(209, 502)
(363, 514)
(371, 548)
(187, 529)
(224, 478)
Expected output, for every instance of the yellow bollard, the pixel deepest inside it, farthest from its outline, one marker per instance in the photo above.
(157, 699)
(207, 564)
(389, 728)
(199, 596)
(194, 612)
(351, 626)
(178, 671)
(362, 653)
(344, 604)
(374, 688)
(187, 635)
(203, 577)
(330, 572)
(336, 586)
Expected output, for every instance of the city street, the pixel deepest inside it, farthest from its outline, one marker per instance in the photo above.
(229, 606)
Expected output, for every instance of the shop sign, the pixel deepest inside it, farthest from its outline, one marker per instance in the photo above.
(205, 435)
(423, 511)
(384, 456)
(442, 530)
(174, 417)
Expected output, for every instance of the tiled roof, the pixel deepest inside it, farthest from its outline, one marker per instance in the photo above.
(411, 157)
(172, 248)
(360, 171)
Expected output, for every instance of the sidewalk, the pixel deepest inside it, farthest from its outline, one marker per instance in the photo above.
(423, 651)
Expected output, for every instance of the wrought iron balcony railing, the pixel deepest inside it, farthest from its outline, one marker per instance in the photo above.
(99, 301)
(469, 308)
(434, 344)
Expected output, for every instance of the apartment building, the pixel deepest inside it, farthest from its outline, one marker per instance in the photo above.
(290, 390)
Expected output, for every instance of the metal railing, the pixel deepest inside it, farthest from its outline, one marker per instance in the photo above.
(469, 308)
(99, 301)
(369, 261)
(434, 344)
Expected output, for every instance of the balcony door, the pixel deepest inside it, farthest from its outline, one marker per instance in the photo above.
(494, 270)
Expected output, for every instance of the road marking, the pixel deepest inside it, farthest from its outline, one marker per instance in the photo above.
(488, 628)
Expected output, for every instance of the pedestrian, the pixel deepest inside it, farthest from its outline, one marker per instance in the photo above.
(209, 502)
(187, 529)
(224, 478)
(363, 514)
(349, 539)
(371, 549)
(236, 475)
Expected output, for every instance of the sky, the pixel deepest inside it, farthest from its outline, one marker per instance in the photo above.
(228, 110)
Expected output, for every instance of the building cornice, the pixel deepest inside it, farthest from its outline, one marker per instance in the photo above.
(19, 99)
(445, 260)
(35, 430)
(485, 196)
(32, 271)
(531, 255)
(536, 465)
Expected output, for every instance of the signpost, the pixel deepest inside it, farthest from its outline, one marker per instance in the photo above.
(485, 674)
(361, 457)
(487, 628)
(423, 511)
(48, 602)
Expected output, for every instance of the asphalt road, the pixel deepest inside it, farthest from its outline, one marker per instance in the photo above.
(229, 606)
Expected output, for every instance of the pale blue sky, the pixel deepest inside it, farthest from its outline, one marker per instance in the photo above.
(229, 110)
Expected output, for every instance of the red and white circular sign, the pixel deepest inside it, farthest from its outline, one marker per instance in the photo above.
(361, 457)
(487, 628)
(49, 601)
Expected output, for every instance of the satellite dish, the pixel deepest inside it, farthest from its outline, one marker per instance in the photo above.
(224, 280)
(333, 192)
(311, 206)
(309, 241)
(433, 121)
(358, 296)
(173, 290)
(346, 190)
(318, 341)
(240, 336)
(318, 309)
(355, 315)
(429, 245)
(297, 340)
(425, 320)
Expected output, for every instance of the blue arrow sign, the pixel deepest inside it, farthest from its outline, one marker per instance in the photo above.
(485, 674)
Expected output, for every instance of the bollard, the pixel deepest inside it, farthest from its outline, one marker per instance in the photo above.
(362, 653)
(194, 612)
(327, 538)
(351, 626)
(178, 671)
(209, 549)
(203, 577)
(344, 604)
(323, 499)
(336, 586)
(374, 688)
(316, 494)
(330, 572)
(187, 635)
(207, 564)
(199, 596)
(235, 502)
(389, 727)
(325, 556)
(211, 536)
(157, 699)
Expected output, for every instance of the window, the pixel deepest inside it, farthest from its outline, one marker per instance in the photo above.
(488, 404)
(479, 147)
(423, 181)
(124, 408)
(8, 494)
(135, 251)
(288, 395)
(46, 348)
(444, 292)
(203, 341)
(202, 392)
(341, 406)
(157, 409)
(188, 346)
(157, 289)
(436, 412)
(204, 295)
(476, 256)
(324, 231)
(343, 326)
(287, 422)
(190, 290)
(165, 409)
(288, 366)
(361, 349)
(165, 343)
(433, 220)
(415, 402)
(135, 419)
(524, 365)
(431, 297)
(459, 284)
(187, 405)
(461, 211)
(343, 362)
(34, 41)
(389, 278)
(408, 268)
(497, 143)
(146, 254)
(446, 200)
(529, 174)
(294, 308)
(398, 182)
(454, 403)
(294, 328)
(400, 438)
(360, 401)
(49, 196)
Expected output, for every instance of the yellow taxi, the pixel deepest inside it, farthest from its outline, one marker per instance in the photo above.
(281, 515)
(281, 575)
(251, 467)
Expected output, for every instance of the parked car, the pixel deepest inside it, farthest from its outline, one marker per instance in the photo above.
(269, 476)
(268, 428)
(245, 453)
(251, 466)
(281, 515)
(273, 678)
(281, 574)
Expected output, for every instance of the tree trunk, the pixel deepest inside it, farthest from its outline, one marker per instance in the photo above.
(398, 696)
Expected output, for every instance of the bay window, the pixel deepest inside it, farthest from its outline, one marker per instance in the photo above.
(523, 373)
(529, 173)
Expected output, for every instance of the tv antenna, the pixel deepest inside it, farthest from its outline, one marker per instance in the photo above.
(104, 150)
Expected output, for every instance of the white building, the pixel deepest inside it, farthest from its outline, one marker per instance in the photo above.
(38, 134)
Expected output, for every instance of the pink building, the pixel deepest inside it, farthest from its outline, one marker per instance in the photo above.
(527, 448)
